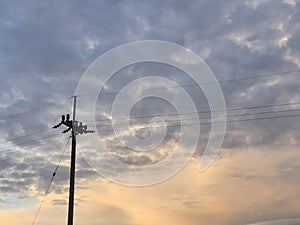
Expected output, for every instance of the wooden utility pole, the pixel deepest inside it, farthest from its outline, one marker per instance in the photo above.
(76, 128)
(72, 168)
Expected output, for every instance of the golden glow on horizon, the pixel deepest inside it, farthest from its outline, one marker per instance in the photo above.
(248, 179)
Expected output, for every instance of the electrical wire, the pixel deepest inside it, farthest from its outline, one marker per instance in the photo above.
(173, 114)
(214, 82)
(175, 120)
(32, 110)
(149, 116)
(26, 135)
(208, 111)
(185, 85)
(11, 150)
(202, 118)
(209, 123)
(170, 114)
(48, 187)
(29, 141)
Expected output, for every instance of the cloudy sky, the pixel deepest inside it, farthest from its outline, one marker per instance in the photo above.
(251, 46)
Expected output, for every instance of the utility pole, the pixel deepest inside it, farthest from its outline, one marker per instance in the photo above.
(76, 128)
(72, 168)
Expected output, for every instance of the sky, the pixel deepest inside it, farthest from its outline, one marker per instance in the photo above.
(252, 48)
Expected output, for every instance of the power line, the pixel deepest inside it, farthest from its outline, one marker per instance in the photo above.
(26, 135)
(215, 82)
(32, 110)
(172, 114)
(262, 76)
(38, 139)
(185, 85)
(52, 178)
(208, 111)
(178, 120)
(29, 141)
(202, 118)
(209, 123)
(140, 123)
(11, 150)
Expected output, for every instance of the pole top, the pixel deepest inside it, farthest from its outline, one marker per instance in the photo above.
(74, 96)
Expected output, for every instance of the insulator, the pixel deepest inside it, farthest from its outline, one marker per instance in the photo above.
(56, 126)
(90, 131)
(65, 131)
(68, 117)
(63, 118)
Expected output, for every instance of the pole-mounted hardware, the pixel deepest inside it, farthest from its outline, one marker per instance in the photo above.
(79, 128)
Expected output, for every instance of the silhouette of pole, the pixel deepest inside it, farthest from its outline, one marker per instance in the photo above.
(75, 127)
(72, 169)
